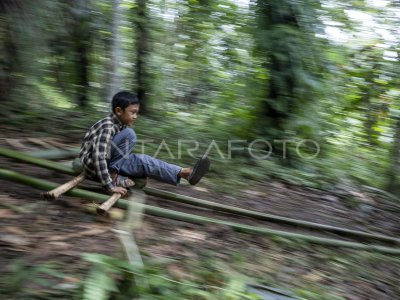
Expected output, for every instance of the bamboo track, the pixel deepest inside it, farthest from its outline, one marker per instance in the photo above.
(166, 213)
(212, 205)
(265, 217)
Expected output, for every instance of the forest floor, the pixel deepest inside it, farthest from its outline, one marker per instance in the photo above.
(34, 232)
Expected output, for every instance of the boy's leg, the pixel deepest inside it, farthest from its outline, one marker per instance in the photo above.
(124, 163)
(122, 146)
(142, 165)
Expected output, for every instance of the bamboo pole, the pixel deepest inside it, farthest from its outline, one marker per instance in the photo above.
(166, 213)
(208, 204)
(55, 153)
(264, 216)
(36, 161)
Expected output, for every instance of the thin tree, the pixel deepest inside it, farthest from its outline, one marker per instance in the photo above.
(81, 38)
(116, 53)
(8, 59)
(142, 45)
(392, 179)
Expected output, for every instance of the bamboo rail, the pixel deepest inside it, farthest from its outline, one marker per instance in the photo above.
(40, 162)
(55, 153)
(265, 217)
(166, 213)
(209, 204)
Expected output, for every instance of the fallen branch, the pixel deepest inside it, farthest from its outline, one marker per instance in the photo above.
(63, 237)
(57, 144)
(16, 144)
(40, 142)
(166, 213)
(15, 208)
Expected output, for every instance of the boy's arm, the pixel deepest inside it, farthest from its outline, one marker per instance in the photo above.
(100, 158)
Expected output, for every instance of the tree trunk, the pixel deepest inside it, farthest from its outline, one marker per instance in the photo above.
(9, 61)
(9, 5)
(392, 179)
(142, 42)
(116, 53)
(280, 97)
(279, 102)
(83, 74)
(192, 76)
(81, 38)
(369, 108)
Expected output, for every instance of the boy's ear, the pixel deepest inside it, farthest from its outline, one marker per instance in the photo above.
(118, 110)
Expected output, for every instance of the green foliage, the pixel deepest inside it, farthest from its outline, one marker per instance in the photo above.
(317, 273)
(110, 277)
(99, 284)
(21, 275)
(318, 294)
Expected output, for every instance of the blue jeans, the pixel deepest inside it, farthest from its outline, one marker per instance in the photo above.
(126, 163)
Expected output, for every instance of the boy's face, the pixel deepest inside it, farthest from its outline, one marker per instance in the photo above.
(128, 115)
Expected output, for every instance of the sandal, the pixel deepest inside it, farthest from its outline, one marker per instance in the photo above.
(199, 170)
(124, 182)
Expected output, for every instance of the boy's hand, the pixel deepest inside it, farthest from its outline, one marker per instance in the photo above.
(119, 190)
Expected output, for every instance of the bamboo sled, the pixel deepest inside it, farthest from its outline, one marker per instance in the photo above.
(105, 206)
(58, 191)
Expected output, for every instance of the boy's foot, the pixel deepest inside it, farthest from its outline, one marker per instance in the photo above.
(199, 170)
(124, 182)
(185, 173)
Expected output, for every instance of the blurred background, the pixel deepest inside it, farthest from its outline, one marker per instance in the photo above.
(214, 71)
(217, 70)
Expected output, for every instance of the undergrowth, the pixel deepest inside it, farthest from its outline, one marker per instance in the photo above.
(313, 273)
(112, 278)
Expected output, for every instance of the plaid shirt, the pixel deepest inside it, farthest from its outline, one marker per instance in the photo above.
(96, 149)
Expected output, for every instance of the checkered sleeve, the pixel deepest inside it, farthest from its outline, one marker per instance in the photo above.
(100, 158)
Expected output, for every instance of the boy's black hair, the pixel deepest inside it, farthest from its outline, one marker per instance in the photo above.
(123, 99)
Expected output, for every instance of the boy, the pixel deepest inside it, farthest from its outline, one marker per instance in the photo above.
(106, 152)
